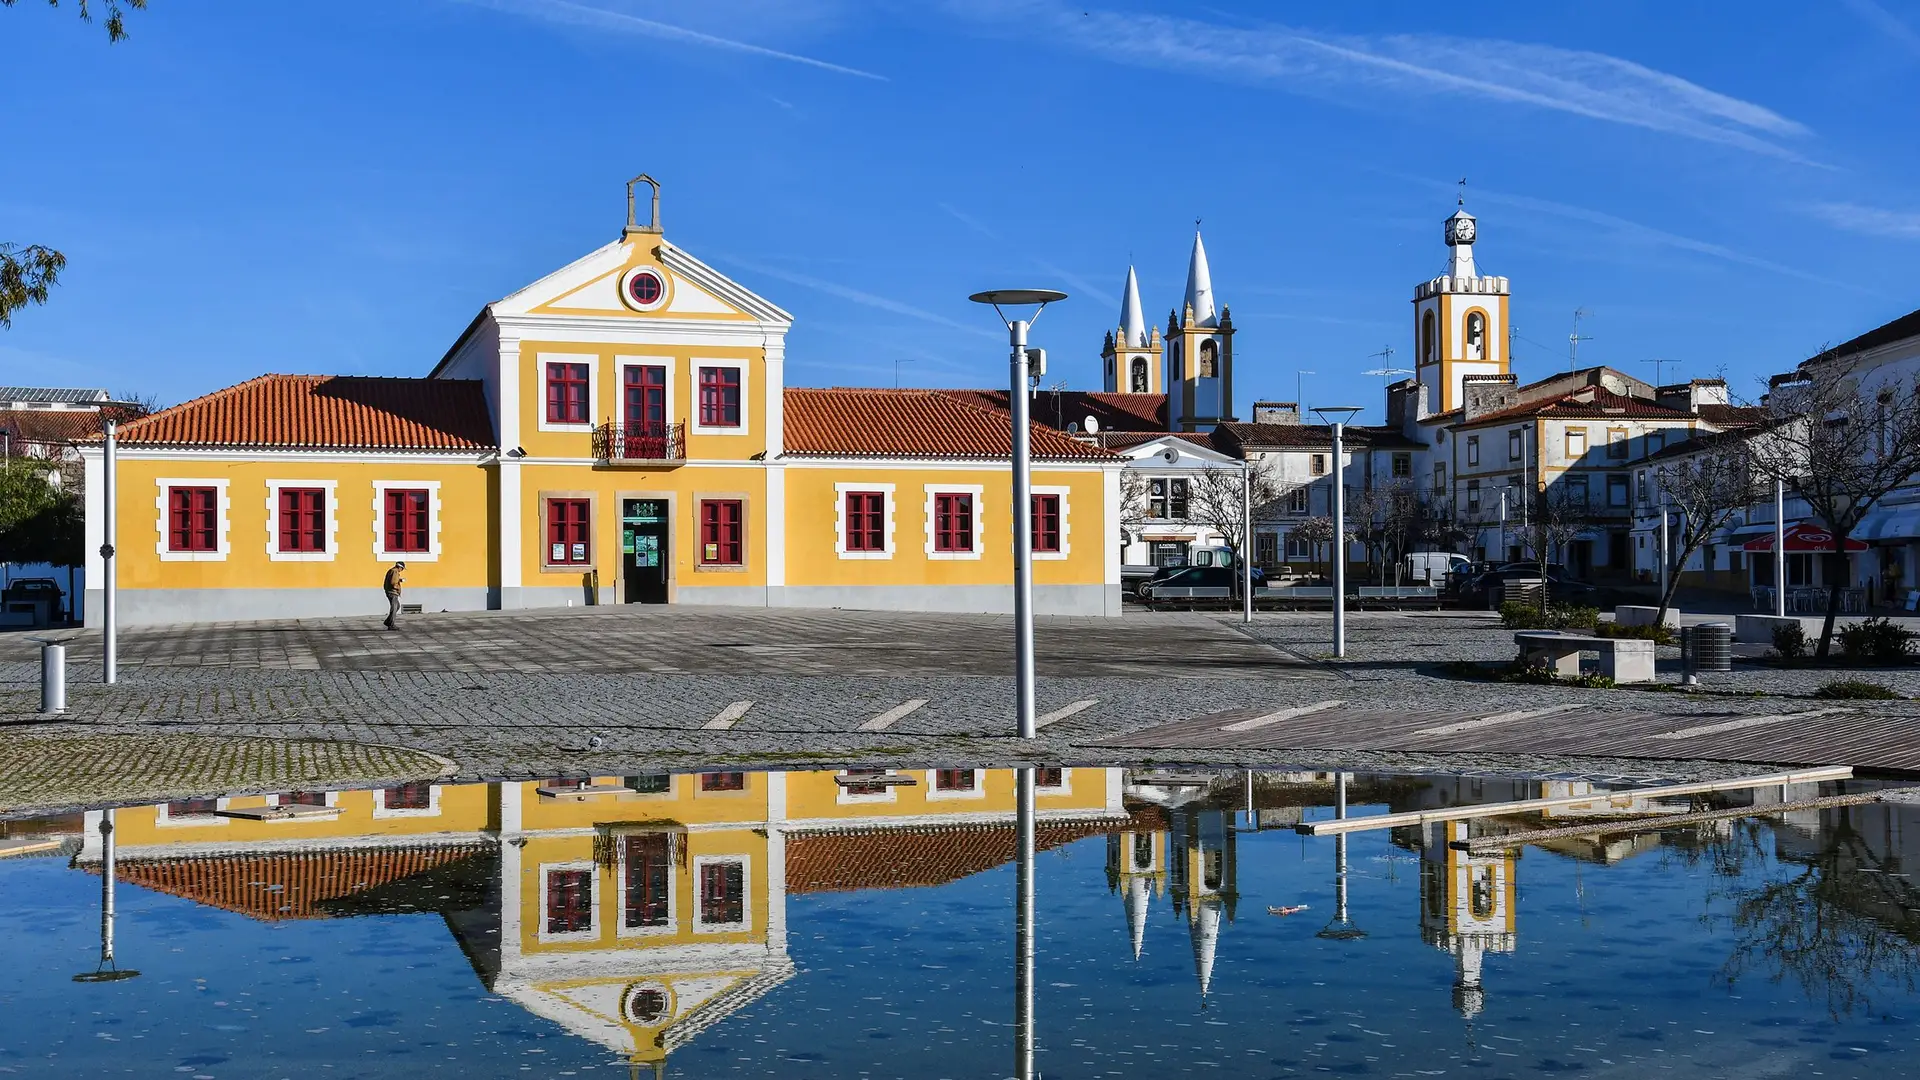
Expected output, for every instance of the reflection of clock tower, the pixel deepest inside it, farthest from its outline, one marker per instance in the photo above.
(1199, 354)
(1133, 356)
(1459, 321)
(1466, 908)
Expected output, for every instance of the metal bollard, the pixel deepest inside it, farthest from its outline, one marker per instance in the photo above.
(53, 677)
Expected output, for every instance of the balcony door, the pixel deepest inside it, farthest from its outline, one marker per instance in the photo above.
(644, 411)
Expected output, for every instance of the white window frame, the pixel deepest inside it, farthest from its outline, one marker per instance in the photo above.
(979, 786)
(1066, 523)
(694, 364)
(592, 360)
(620, 927)
(274, 554)
(380, 489)
(432, 809)
(592, 932)
(223, 507)
(162, 819)
(1473, 449)
(1065, 786)
(845, 796)
(617, 415)
(840, 493)
(1567, 440)
(979, 516)
(700, 926)
(1516, 445)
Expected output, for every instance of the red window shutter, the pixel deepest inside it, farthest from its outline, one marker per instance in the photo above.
(179, 519)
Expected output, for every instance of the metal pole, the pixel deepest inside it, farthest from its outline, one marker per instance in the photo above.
(1663, 544)
(1780, 547)
(1023, 929)
(110, 638)
(1339, 850)
(106, 886)
(1022, 532)
(1246, 550)
(53, 677)
(1501, 556)
(1339, 545)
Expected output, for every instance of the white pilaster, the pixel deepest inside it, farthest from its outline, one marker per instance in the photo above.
(508, 425)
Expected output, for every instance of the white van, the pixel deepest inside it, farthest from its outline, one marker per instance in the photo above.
(1432, 567)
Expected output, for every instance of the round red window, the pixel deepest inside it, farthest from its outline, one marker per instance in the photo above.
(645, 288)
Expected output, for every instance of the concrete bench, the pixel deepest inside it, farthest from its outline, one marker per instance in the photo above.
(1624, 660)
(1758, 629)
(1642, 615)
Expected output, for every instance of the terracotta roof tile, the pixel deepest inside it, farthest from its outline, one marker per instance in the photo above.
(1585, 403)
(1115, 412)
(1308, 436)
(51, 426)
(1733, 416)
(898, 858)
(327, 412)
(1127, 440)
(851, 422)
(285, 885)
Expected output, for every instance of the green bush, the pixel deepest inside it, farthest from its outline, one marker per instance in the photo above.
(1855, 690)
(1517, 615)
(1790, 641)
(1659, 635)
(1876, 641)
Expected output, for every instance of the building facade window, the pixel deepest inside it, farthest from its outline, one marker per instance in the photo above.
(658, 783)
(1427, 336)
(1209, 359)
(1576, 443)
(1298, 500)
(1266, 549)
(956, 781)
(1473, 496)
(723, 893)
(414, 796)
(866, 521)
(1577, 493)
(720, 397)
(1640, 483)
(1316, 464)
(569, 532)
(1139, 375)
(722, 540)
(568, 385)
(1473, 449)
(303, 520)
(647, 881)
(569, 901)
(1440, 477)
(1046, 524)
(1167, 498)
(1617, 490)
(408, 520)
(1402, 466)
(952, 521)
(1656, 442)
(723, 781)
(1617, 442)
(1516, 445)
(1050, 777)
(193, 519)
(1476, 336)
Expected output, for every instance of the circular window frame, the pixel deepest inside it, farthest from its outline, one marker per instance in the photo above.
(626, 288)
(628, 999)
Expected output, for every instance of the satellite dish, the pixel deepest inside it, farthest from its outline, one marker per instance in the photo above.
(1170, 455)
(1073, 429)
(1091, 427)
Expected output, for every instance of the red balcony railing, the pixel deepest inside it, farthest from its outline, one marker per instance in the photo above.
(640, 444)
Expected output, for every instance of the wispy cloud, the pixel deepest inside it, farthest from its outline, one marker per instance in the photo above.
(1582, 83)
(1871, 220)
(566, 12)
(1887, 23)
(969, 221)
(857, 296)
(1081, 285)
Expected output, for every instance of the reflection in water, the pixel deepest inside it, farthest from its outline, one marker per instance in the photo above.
(638, 913)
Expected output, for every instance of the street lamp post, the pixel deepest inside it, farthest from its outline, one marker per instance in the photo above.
(1339, 416)
(1780, 548)
(1020, 380)
(1246, 542)
(109, 584)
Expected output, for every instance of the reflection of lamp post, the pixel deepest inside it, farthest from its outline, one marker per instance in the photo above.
(1339, 416)
(1022, 480)
(1023, 928)
(1341, 928)
(106, 972)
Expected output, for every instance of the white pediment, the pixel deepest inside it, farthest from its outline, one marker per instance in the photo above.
(590, 285)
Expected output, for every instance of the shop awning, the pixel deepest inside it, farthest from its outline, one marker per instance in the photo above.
(1893, 523)
(1804, 537)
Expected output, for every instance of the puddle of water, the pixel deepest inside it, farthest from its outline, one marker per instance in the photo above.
(834, 924)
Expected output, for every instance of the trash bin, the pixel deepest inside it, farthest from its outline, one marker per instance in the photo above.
(1712, 647)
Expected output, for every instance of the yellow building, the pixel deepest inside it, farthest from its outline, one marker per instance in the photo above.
(619, 431)
(632, 911)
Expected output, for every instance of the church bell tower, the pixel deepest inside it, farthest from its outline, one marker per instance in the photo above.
(1199, 353)
(1459, 321)
(1132, 357)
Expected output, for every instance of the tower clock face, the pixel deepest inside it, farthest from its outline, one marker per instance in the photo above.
(1462, 231)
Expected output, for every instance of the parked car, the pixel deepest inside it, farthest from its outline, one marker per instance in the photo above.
(1431, 567)
(37, 588)
(1198, 583)
(1480, 591)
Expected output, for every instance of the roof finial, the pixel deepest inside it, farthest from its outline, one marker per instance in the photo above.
(1462, 201)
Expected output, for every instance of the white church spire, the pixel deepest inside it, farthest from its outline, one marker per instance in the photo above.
(1204, 930)
(1137, 906)
(1200, 284)
(1133, 324)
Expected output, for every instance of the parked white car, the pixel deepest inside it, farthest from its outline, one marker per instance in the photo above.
(1432, 567)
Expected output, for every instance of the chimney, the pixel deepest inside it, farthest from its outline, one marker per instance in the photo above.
(1276, 412)
(1483, 394)
(1689, 396)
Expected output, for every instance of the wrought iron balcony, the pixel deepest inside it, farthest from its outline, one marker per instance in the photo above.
(640, 444)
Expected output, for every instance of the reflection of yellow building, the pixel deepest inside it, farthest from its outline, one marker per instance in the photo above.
(633, 911)
(1466, 907)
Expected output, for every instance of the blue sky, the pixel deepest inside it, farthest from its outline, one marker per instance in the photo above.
(340, 187)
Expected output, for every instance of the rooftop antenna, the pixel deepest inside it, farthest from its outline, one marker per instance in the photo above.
(897, 361)
(1575, 338)
(1386, 370)
(1659, 364)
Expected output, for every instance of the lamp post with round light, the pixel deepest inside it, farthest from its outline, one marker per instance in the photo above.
(1338, 417)
(1020, 376)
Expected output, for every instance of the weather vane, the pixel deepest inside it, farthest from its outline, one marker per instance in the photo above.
(1463, 191)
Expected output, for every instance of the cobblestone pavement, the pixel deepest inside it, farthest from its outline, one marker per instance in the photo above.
(521, 693)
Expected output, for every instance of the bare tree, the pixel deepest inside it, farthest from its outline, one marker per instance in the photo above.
(1220, 497)
(1708, 486)
(1841, 442)
(1555, 519)
(1314, 532)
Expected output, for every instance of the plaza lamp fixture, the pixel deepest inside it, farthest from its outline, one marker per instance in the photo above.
(1338, 417)
(1023, 369)
(106, 971)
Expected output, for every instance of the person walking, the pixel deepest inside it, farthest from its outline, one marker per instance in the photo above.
(395, 578)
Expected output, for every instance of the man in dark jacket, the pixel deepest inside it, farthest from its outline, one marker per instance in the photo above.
(395, 578)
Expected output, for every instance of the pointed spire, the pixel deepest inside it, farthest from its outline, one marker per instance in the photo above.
(1205, 932)
(1137, 913)
(1200, 283)
(1133, 325)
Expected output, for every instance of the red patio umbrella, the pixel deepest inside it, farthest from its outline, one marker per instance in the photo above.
(1804, 537)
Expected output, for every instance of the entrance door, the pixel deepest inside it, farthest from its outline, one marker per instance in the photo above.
(644, 412)
(644, 550)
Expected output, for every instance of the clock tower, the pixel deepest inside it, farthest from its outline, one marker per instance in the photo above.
(1459, 321)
